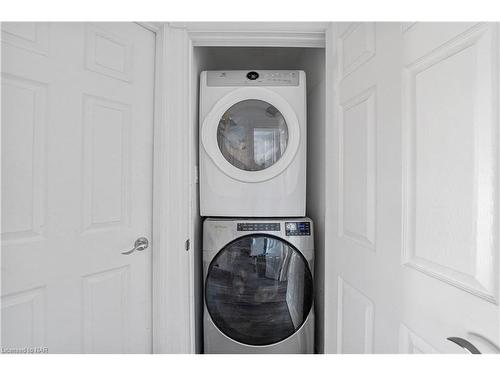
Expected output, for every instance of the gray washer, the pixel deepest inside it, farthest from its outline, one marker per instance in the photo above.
(258, 285)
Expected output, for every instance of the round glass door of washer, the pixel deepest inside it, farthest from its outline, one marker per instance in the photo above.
(259, 290)
(252, 135)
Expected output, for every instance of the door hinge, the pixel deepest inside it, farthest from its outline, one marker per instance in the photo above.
(196, 174)
(188, 244)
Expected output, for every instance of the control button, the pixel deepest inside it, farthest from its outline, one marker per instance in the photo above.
(252, 75)
(255, 227)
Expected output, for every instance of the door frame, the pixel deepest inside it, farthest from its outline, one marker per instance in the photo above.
(174, 168)
(331, 161)
(170, 315)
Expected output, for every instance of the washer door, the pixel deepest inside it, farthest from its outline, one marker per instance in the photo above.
(259, 290)
(252, 134)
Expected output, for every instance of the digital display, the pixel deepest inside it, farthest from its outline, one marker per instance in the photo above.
(298, 228)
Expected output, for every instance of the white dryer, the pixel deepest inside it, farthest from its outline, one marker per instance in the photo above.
(253, 143)
(258, 285)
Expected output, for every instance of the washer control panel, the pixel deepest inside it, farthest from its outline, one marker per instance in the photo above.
(253, 78)
(298, 228)
(258, 227)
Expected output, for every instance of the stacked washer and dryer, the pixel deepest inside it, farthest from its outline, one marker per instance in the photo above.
(258, 248)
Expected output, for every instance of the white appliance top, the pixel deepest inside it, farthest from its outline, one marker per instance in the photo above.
(253, 78)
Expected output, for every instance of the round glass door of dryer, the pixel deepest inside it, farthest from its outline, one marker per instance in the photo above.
(259, 290)
(252, 135)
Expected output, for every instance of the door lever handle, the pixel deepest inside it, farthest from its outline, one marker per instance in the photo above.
(466, 345)
(140, 244)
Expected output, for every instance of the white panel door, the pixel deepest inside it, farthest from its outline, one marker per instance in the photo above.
(414, 255)
(77, 127)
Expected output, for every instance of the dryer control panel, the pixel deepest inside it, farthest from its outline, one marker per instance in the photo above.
(253, 78)
(297, 228)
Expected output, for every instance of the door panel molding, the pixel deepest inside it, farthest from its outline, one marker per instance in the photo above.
(406, 26)
(421, 216)
(355, 320)
(364, 236)
(100, 311)
(362, 33)
(33, 331)
(24, 176)
(108, 215)
(108, 54)
(411, 343)
(30, 36)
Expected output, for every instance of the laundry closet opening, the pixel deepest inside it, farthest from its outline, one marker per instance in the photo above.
(312, 62)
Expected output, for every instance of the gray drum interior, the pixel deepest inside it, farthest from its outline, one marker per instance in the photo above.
(259, 290)
(252, 135)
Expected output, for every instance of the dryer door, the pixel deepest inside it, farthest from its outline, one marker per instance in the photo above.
(252, 134)
(259, 290)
